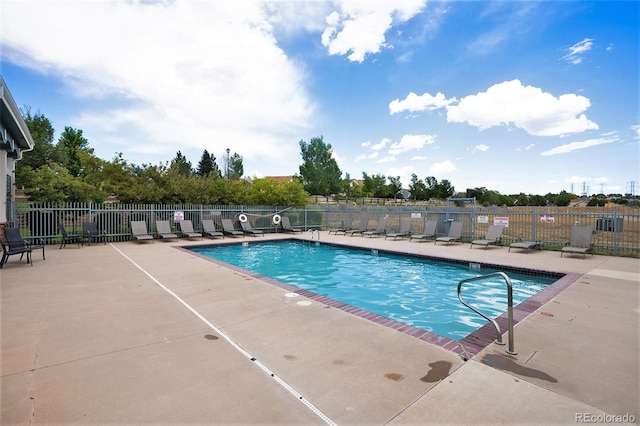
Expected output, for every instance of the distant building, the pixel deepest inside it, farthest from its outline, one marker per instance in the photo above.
(280, 179)
(15, 139)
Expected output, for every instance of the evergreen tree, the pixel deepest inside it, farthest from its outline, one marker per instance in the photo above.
(207, 166)
(181, 165)
(319, 170)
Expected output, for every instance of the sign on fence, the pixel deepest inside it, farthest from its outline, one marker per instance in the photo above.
(501, 221)
(178, 216)
(547, 218)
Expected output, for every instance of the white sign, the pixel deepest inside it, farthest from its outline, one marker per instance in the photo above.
(483, 219)
(545, 218)
(416, 215)
(178, 216)
(501, 221)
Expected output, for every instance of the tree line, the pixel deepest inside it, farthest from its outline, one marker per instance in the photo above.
(67, 170)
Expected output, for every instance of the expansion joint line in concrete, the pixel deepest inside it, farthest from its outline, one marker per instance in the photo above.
(239, 348)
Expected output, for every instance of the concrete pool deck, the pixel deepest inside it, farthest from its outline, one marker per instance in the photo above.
(129, 333)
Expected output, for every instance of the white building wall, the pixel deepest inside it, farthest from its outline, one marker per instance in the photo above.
(6, 168)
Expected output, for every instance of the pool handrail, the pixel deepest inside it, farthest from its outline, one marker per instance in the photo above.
(510, 350)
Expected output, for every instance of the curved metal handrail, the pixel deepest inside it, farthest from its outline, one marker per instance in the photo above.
(511, 350)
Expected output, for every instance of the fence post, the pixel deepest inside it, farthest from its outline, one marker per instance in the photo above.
(534, 224)
(614, 226)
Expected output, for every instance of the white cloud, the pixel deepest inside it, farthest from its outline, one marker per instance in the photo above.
(404, 173)
(527, 107)
(176, 75)
(443, 168)
(387, 159)
(482, 147)
(381, 144)
(424, 102)
(358, 28)
(574, 146)
(411, 143)
(576, 52)
(363, 157)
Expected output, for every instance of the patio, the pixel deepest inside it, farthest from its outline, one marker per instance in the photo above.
(129, 333)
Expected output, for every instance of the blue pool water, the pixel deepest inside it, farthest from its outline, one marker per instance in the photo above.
(418, 292)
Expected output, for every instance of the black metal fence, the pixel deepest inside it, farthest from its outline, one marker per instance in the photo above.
(616, 230)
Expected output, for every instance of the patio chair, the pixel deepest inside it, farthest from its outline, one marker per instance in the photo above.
(68, 238)
(346, 226)
(429, 231)
(364, 225)
(91, 233)
(579, 241)
(228, 229)
(494, 234)
(187, 231)
(164, 230)
(455, 234)
(405, 231)
(209, 229)
(139, 231)
(247, 229)
(12, 244)
(286, 225)
(525, 245)
(381, 229)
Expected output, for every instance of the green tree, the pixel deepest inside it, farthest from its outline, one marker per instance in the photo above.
(236, 166)
(374, 185)
(393, 187)
(44, 151)
(319, 170)
(181, 165)
(70, 145)
(269, 192)
(53, 183)
(444, 189)
(537, 200)
(207, 166)
(418, 188)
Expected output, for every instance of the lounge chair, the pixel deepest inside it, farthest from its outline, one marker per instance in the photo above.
(139, 231)
(209, 229)
(286, 225)
(381, 229)
(164, 230)
(579, 241)
(68, 238)
(187, 231)
(494, 234)
(405, 231)
(364, 225)
(228, 229)
(525, 245)
(247, 229)
(455, 233)
(346, 226)
(13, 243)
(91, 233)
(429, 231)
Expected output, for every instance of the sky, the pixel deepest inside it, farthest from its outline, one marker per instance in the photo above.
(514, 96)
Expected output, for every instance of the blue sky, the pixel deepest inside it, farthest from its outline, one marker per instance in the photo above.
(514, 96)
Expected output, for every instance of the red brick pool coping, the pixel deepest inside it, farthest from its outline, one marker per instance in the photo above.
(467, 346)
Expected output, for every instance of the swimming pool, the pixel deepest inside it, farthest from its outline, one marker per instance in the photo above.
(418, 292)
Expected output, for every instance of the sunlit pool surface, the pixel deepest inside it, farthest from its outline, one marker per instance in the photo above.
(418, 292)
